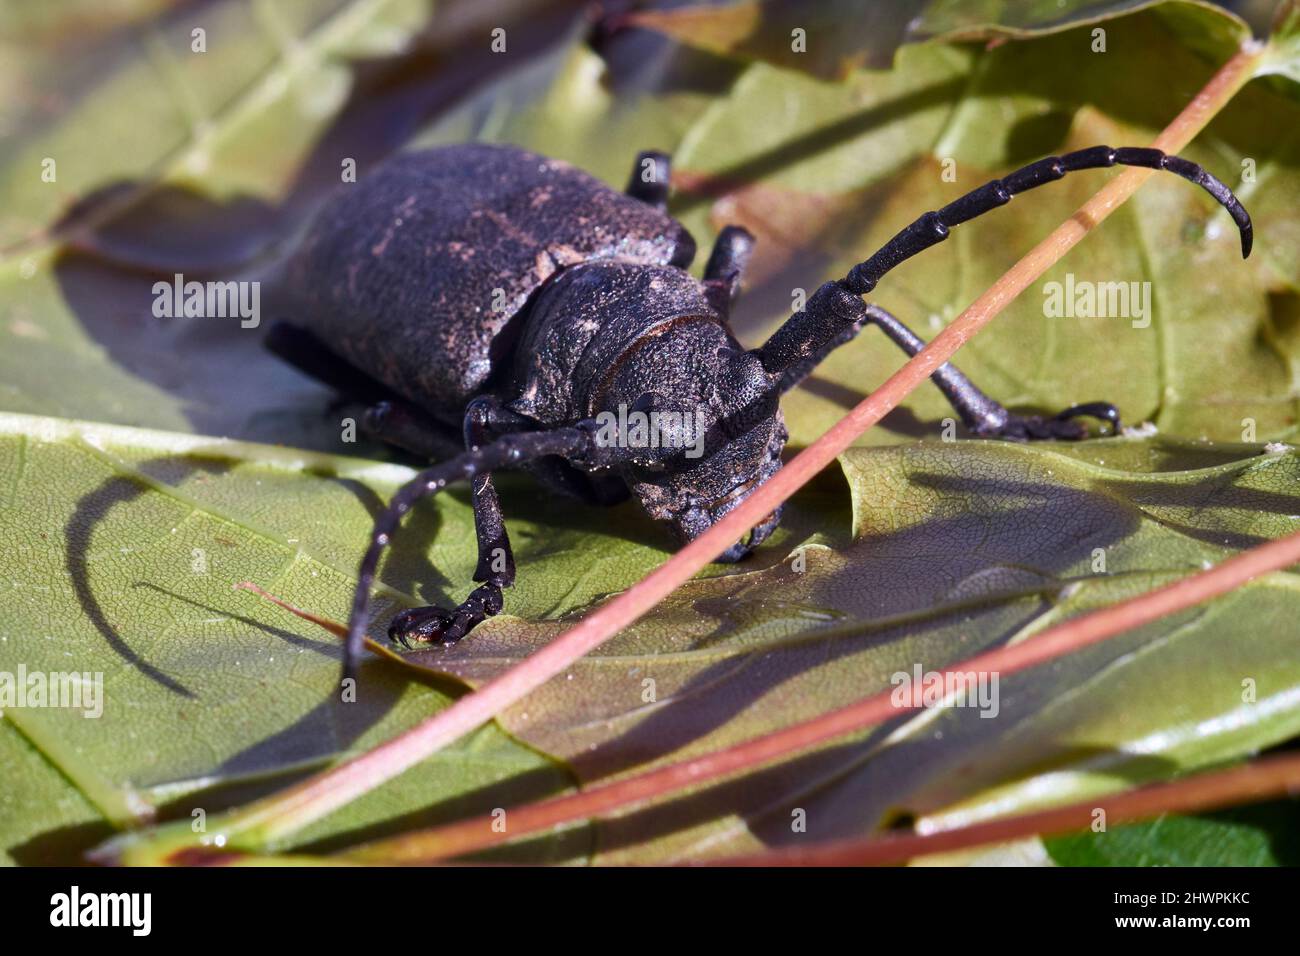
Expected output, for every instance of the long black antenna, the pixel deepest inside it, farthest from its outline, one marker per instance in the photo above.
(933, 227)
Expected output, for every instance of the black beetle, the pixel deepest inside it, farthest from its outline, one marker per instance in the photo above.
(547, 318)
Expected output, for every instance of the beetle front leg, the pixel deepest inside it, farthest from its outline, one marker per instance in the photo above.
(793, 354)
(981, 414)
(577, 443)
(486, 418)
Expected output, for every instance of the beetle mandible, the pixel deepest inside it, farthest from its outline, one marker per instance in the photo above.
(496, 309)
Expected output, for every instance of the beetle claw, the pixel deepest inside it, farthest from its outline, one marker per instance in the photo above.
(427, 625)
(1059, 427)
(419, 626)
(1025, 428)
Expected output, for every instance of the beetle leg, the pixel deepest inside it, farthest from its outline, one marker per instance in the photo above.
(486, 418)
(400, 423)
(1060, 425)
(979, 413)
(651, 178)
(578, 442)
(560, 476)
(726, 266)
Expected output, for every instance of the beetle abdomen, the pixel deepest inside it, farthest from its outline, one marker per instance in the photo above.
(414, 273)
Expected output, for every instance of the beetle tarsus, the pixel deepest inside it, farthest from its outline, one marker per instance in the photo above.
(436, 625)
(1059, 427)
(1102, 411)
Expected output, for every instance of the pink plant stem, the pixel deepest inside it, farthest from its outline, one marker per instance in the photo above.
(1263, 779)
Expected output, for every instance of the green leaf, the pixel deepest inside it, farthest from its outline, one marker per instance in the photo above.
(169, 160)
(952, 20)
(1282, 57)
(214, 697)
(596, 113)
(121, 549)
(44, 819)
(175, 159)
(831, 39)
(1262, 835)
(165, 114)
(828, 38)
(958, 547)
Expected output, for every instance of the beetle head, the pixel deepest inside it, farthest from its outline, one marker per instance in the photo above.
(702, 427)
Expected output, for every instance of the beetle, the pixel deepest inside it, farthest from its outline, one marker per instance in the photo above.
(493, 308)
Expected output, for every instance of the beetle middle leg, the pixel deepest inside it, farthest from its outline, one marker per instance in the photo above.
(726, 266)
(651, 178)
(397, 422)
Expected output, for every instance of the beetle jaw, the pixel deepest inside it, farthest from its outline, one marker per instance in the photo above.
(694, 517)
(699, 522)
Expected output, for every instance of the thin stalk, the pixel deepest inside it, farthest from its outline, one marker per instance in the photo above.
(1263, 779)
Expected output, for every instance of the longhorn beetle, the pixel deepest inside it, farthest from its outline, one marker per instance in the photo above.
(526, 304)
